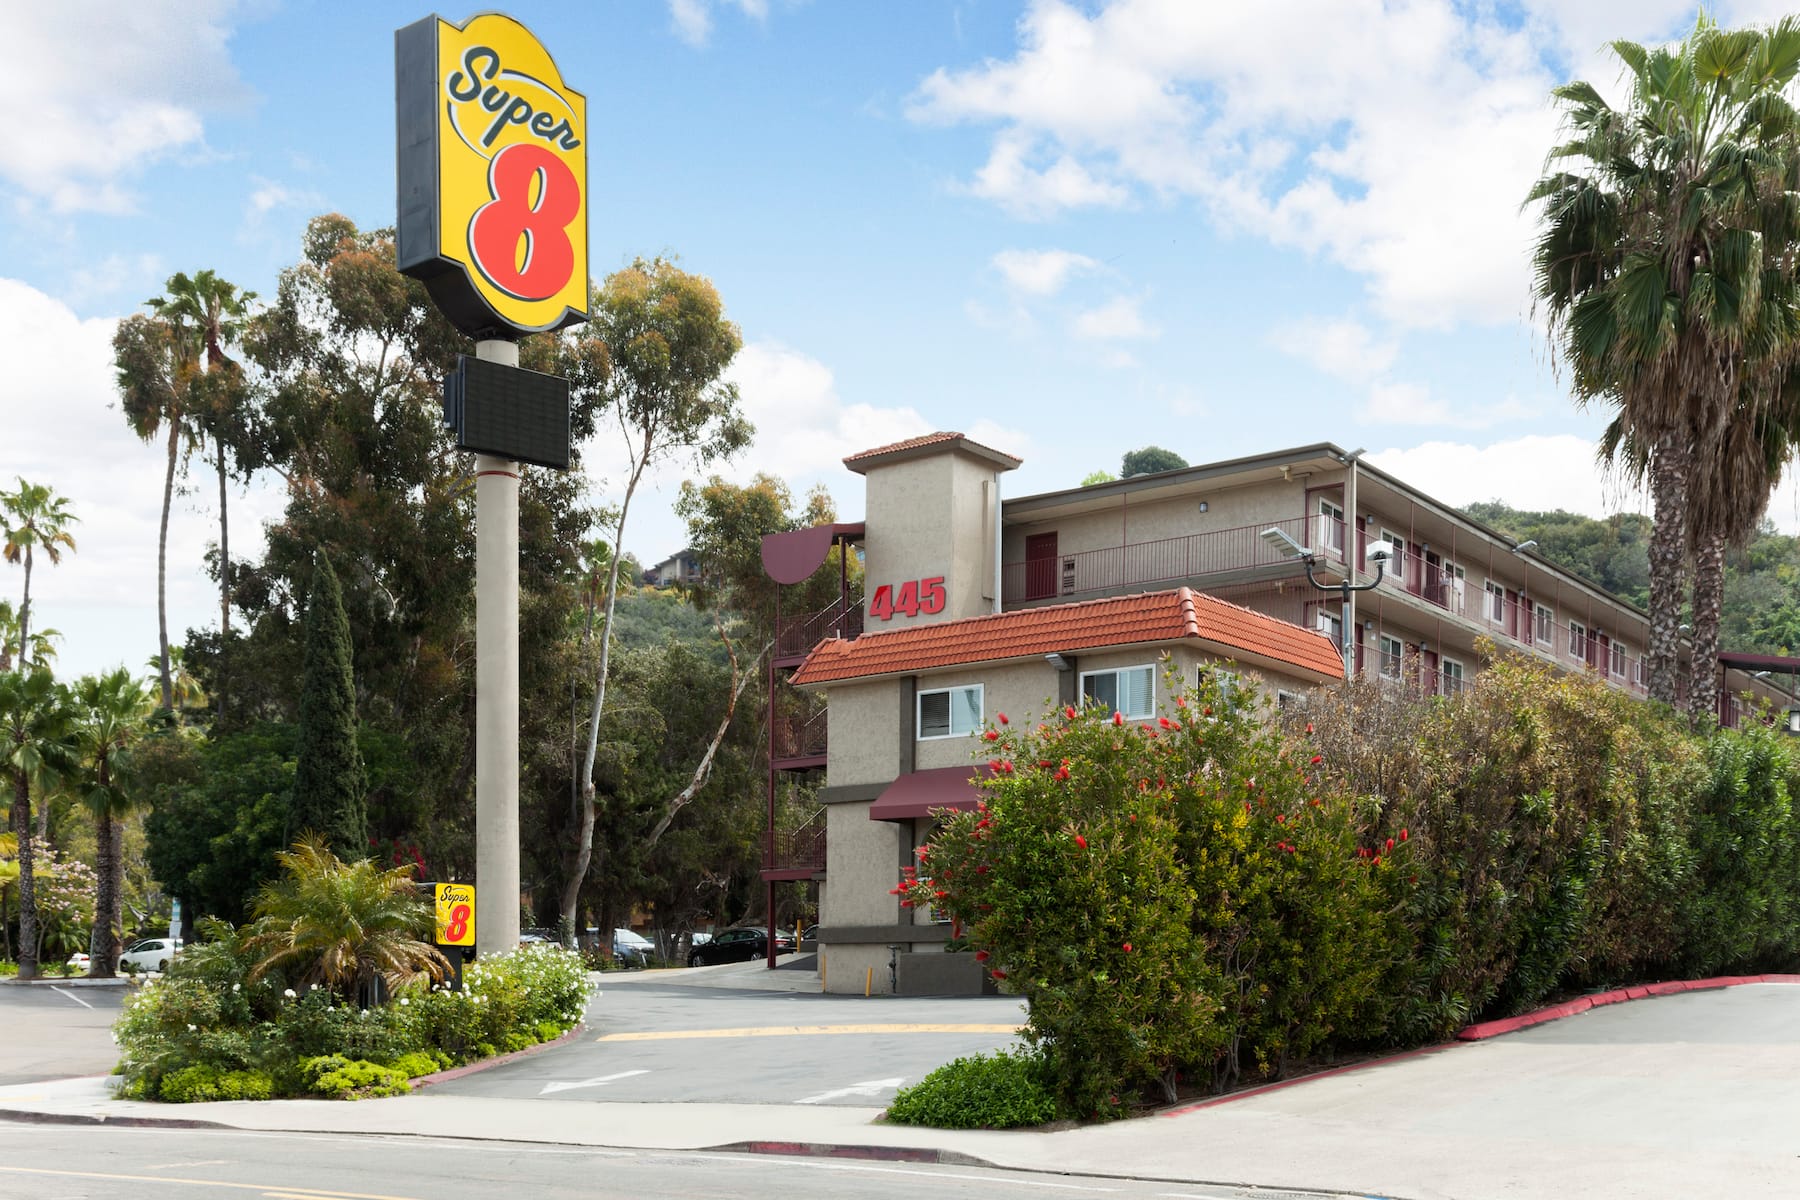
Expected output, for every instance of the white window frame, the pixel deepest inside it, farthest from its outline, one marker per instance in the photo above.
(1455, 578)
(1578, 640)
(1448, 669)
(1289, 699)
(1331, 526)
(1396, 565)
(1119, 690)
(919, 711)
(1387, 664)
(1495, 609)
(1543, 626)
(1227, 681)
(1331, 624)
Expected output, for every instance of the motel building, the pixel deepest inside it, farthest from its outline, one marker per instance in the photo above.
(978, 604)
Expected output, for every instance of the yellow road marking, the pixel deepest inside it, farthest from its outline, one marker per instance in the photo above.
(669, 1035)
(262, 1188)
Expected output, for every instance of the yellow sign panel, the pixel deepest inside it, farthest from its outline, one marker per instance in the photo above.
(493, 176)
(455, 914)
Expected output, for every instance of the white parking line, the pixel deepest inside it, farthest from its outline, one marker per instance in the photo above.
(72, 996)
(867, 1088)
(560, 1086)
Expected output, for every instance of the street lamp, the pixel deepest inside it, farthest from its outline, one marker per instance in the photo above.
(1379, 554)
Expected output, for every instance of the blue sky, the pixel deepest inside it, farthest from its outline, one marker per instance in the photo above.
(1068, 230)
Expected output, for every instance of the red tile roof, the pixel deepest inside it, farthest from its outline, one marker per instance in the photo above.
(1088, 625)
(865, 458)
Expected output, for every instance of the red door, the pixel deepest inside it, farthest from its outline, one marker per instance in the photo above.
(1040, 566)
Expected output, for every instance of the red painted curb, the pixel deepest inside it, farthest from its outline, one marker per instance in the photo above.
(1487, 1029)
(1266, 1088)
(482, 1064)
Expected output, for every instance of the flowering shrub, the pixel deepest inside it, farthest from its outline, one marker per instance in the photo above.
(1173, 897)
(184, 1036)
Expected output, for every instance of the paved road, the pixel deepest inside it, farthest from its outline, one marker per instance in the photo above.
(60, 1163)
(653, 1041)
(54, 1031)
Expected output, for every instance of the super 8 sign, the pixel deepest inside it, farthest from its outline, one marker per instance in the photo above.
(492, 176)
(455, 905)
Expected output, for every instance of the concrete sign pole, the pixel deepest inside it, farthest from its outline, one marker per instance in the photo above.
(496, 689)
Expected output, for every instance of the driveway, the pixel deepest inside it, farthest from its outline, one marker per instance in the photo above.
(57, 1030)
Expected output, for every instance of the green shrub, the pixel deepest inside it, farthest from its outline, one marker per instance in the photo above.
(1001, 1091)
(411, 1066)
(202, 1082)
(338, 1078)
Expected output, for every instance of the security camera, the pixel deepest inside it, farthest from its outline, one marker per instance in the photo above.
(1382, 552)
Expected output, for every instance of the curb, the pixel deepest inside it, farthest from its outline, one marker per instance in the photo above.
(1556, 1012)
(26, 1116)
(907, 1154)
(483, 1064)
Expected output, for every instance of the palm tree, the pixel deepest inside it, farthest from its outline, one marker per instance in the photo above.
(112, 711)
(157, 362)
(36, 518)
(343, 925)
(216, 310)
(9, 876)
(37, 746)
(1658, 238)
(186, 689)
(42, 644)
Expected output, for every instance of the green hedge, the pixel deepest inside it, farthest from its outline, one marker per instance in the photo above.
(1222, 891)
(205, 1032)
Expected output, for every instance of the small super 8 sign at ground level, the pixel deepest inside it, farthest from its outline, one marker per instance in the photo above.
(493, 176)
(455, 914)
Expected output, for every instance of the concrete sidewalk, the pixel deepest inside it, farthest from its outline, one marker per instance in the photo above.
(1682, 1095)
(792, 973)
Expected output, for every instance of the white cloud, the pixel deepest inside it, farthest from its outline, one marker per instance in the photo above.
(692, 20)
(1395, 140)
(1343, 349)
(1119, 319)
(1413, 404)
(268, 195)
(1537, 472)
(99, 90)
(1041, 272)
(59, 425)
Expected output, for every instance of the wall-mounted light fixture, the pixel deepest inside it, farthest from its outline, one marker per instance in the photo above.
(1204, 506)
(1527, 544)
(1059, 662)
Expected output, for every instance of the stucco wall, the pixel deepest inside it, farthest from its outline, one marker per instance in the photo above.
(1133, 520)
(926, 518)
(862, 861)
(867, 725)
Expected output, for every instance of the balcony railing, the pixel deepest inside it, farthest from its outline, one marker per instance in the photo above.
(797, 729)
(797, 849)
(796, 636)
(1167, 560)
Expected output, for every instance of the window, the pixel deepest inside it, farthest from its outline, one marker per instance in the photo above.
(1397, 565)
(1578, 640)
(1227, 682)
(1391, 653)
(1543, 629)
(1450, 677)
(1330, 533)
(1495, 607)
(1128, 690)
(1332, 626)
(1285, 699)
(950, 712)
(1618, 659)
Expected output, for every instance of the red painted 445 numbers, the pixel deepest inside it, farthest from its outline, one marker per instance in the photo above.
(909, 599)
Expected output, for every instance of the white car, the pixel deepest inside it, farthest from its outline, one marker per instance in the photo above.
(151, 954)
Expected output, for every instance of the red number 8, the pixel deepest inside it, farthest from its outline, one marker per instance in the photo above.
(459, 924)
(498, 225)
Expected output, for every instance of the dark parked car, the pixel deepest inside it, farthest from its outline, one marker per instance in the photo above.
(739, 945)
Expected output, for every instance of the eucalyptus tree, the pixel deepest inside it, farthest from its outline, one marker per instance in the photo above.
(666, 343)
(34, 518)
(157, 363)
(217, 312)
(1661, 225)
(37, 749)
(111, 714)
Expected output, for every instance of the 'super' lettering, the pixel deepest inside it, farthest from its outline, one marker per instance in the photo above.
(481, 64)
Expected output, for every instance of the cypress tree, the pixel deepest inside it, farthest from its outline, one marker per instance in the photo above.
(329, 783)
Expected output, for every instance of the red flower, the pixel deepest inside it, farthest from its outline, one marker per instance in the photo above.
(1001, 717)
(1378, 860)
(1118, 718)
(1045, 763)
(992, 735)
(993, 764)
(1128, 947)
(922, 852)
(1309, 727)
(1390, 844)
(1165, 722)
(1006, 766)
(1403, 835)
(1208, 711)
(998, 974)
(1081, 841)
(1318, 758)
(1181, 702)
(981, 869)
(1069, 711)
(1062, 774)
(981, 956)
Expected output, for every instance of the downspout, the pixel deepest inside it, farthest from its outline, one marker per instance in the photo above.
(999, 572)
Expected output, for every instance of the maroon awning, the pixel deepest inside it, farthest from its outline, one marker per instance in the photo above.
(792, 557)
(922, 792)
